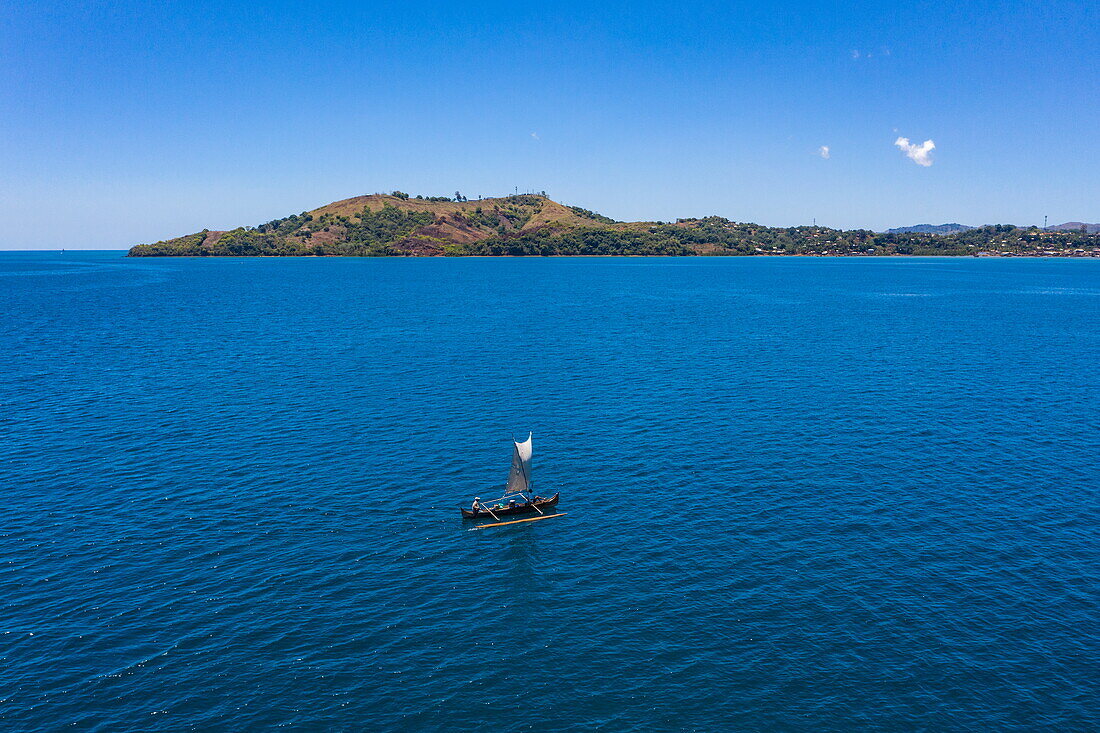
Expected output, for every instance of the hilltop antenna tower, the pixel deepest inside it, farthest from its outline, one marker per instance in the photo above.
(1044, 222)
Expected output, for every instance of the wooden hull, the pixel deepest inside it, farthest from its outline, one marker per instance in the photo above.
(509, 511)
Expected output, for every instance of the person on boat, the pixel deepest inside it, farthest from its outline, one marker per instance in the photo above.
(512, 504)
(476, 506)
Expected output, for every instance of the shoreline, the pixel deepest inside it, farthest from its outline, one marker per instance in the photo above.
(620, 256)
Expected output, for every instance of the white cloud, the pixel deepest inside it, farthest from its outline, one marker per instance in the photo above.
(919, 154)
(823, 151)
(858, 54)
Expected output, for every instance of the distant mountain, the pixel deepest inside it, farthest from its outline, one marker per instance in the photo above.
(930, 229)
(1069, 226)
(1075, 226)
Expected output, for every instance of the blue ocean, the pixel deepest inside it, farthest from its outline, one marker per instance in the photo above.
(800, 494)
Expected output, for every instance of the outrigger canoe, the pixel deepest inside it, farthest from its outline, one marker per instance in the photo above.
(524, 508)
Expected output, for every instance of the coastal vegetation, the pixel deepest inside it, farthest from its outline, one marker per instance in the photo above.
(398, 224)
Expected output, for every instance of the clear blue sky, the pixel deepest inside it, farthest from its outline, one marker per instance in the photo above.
(125, 122)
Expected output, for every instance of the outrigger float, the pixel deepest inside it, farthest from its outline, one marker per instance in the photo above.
(519, 485)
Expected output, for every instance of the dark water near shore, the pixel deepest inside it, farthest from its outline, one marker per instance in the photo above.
(807, 494)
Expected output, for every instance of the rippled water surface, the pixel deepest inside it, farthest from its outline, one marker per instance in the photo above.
(802, 493)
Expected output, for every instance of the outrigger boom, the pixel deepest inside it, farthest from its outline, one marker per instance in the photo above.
(518, 521)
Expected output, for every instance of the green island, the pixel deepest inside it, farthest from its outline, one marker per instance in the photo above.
(396, 224)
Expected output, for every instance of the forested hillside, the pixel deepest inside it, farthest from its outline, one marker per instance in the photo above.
(399, 225)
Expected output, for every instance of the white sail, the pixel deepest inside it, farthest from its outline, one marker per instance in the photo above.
(519, 478)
